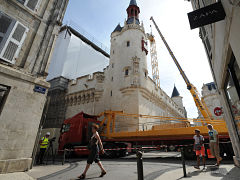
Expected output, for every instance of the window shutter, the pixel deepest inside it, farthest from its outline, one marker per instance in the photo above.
(6, 24)
(14, 43)
(32, 4)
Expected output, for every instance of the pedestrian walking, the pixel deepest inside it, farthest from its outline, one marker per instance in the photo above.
(214, 143)
(199, 148)
(43, 147)
(94, 152)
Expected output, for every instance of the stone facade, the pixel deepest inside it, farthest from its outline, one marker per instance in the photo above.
(222, 43)
(124, 85)
(212, 100)
(28, 32)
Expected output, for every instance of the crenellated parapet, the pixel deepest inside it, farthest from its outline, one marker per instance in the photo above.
(85, 89)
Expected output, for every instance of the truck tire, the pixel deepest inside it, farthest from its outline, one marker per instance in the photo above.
(189, 153)
(110, 153)
(69, 154)
(230, 152)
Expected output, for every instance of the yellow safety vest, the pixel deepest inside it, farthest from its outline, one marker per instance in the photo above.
(44, 143)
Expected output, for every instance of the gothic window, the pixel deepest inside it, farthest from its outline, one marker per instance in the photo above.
(128, 43)
(88, 98)
(79, 99)
(92, 97)
(83, 99)
(71, 101)
(126, 72)
(75, 100)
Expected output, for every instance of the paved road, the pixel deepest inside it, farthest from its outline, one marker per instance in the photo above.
(155, 164)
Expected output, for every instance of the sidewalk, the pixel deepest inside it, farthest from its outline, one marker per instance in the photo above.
(35, 173)
(16, 176)
(224, 172)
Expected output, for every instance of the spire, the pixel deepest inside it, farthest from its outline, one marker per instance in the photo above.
(133, 2)
(133, 12)
(175, 92)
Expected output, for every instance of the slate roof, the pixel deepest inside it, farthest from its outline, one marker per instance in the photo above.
(118, 28)
(211, 86)
(131, 20)
(133, 2)
(175, 92)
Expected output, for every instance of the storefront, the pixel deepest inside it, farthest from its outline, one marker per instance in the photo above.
(232, 91)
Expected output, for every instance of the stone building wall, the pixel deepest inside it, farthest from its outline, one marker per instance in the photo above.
(28, 37)
(221, 42)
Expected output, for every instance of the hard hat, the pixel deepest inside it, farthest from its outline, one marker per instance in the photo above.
(48, 133)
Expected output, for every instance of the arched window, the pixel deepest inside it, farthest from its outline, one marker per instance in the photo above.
(126, 72)
(128, 43)
(132, 12)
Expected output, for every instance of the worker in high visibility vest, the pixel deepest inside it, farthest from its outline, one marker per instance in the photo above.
(43, 147)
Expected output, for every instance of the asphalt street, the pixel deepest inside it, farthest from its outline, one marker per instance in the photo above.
(155, 164)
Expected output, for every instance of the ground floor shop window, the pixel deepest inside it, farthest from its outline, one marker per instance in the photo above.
(4, 90)
(232, 89)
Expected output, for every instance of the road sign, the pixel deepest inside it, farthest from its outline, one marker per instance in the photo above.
(218, 111)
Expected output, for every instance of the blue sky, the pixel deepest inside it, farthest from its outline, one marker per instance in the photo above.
(100, 17)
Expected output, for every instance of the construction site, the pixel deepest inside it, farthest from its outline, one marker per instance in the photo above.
(116, 91)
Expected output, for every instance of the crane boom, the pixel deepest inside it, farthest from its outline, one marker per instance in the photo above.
(199, 103)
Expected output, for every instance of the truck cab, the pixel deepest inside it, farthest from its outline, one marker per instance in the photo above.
(76, 131)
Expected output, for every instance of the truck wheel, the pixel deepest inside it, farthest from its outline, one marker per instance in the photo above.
(230, 152)
(110, 153)
(189, 153)
(69, 154)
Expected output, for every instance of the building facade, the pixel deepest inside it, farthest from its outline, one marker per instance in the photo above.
(124, 85)
(211, 98)
(28, 30)
(222, 43)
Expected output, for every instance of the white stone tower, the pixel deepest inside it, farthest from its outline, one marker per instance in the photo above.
(127, 71)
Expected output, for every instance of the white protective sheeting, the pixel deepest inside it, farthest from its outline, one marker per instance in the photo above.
(73, 58)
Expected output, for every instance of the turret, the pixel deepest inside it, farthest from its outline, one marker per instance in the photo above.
(177, 98)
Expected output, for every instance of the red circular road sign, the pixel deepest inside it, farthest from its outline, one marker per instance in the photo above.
(218, 111)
